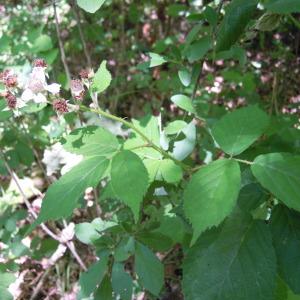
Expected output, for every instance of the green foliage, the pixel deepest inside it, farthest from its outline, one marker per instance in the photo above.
(236, 131)
(283, 6)
(280, 174)
(102, 79)
(90, 6)
(149, 269)
(211, 194)
(238, 14)
(129, 180)
(239, 254)
(91, 141)
(183, 102)
(86, 174)
(188, 183)
(285, 227)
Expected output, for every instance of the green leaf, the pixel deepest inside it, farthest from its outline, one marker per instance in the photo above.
(91, 141)
(156, 60)
(236, 262)
(175, 127)
(4, 114)
(90, 6)
(149, 127)
(185, 147)
(5, 280)
(211, 194)
(198, 49)
(89, 280)
(171, 172)
(238, 15)
(129, 179)
(280, 174)
(268, 22)
(42, 43)
(285, 225)
(149, 269)
(283, 6)
(63, 195)
(89, 232)
(104, 292)
(102, 79)
(121, 282)
(185, 77)
(236, 131)
(183, 102)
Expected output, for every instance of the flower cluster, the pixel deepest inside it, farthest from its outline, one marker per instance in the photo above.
(37, 89)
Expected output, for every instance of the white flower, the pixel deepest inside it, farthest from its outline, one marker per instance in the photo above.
(56, 156)
(36, 86)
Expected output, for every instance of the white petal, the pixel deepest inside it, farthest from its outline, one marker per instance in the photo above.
(53, 88)
(27, 95)
(40, 98)
(20, 103)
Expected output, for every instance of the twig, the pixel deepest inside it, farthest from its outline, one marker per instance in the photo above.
(69, 244)
(39, 285)
(247, 162)
(60, 43)
(136, 130)
(78, 21)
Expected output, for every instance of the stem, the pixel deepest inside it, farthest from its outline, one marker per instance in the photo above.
(69, 244)
(247, 162)
(140, 133)
(78, 21)
(60, 43)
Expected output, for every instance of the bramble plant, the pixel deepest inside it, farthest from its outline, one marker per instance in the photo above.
(197, 199)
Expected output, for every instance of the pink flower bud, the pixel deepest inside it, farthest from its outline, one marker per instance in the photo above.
(39, 62)
(60, 105)
(85, 74)
(77, 89)
(11, 100)
(9, 78)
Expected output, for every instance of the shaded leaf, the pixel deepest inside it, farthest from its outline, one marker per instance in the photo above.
(63, 195)
(285, 225)
(280, 174)
(236, 131)
(238, 14)
(129, 179)
(236, 262)
(211, 194)
(149, 269)
(91, 141)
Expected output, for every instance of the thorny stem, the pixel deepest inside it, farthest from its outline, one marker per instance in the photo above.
(139, 132)
(69, 244)
(60, 43)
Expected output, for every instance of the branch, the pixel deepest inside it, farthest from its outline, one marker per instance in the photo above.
(60, 43)
(69, 244)
(140, 133)
(78, 21)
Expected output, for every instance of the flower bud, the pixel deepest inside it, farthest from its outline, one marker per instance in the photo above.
(39, 62)
(77, 89)
(11, 100)
(8, 78)
(60, 105)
